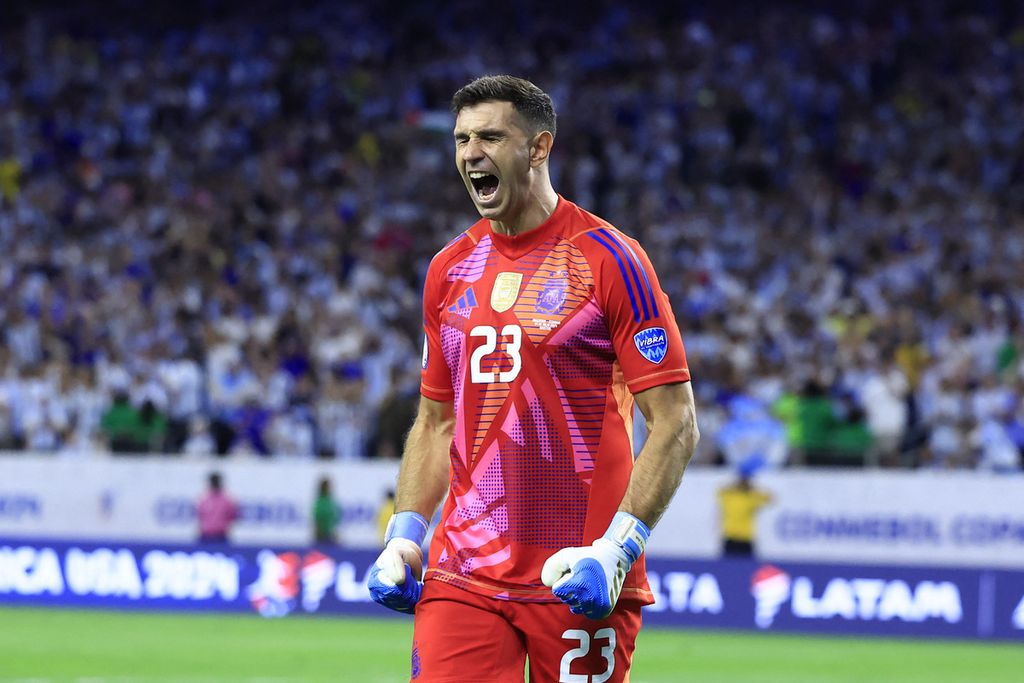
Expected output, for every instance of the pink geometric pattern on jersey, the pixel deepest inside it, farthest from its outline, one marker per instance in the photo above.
(511, 423)
(479, 519)
(464, 563)
(550, 505)
(475, 500)
(477, 535)
(585, 317)
(588, 355)
(584, 410)
(472, 267)
(544, 435)
(582, 349)
(453, 348)
(478, 472)
(477, 561)
(549, 509)
(492, 400)
(462, 558)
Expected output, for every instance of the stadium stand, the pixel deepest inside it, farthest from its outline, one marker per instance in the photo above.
(214, 229)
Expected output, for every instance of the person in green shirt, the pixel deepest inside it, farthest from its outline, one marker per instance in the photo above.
(120, 423)
(325, 515)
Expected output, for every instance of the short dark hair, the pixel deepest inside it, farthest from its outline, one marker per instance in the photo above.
(532, 103)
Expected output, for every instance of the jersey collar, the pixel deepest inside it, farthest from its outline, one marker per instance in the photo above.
(516, 246)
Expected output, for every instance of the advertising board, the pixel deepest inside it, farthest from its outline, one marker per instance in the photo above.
(281, 582)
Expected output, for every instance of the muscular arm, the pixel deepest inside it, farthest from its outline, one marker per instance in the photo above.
(672, 437)
(588, 579)
(423, 476)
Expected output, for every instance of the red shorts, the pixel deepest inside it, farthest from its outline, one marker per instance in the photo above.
(462, 637)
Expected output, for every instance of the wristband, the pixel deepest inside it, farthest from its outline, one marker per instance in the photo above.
(407, 524)
(628, 532)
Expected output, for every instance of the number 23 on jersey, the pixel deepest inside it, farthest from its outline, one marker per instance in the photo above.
(512, 337)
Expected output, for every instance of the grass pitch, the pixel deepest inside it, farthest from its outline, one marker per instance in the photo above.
(50, 646)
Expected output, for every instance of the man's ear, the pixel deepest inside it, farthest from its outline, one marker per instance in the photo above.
(540, 148)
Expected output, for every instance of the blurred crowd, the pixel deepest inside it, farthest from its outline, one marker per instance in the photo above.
(214, 227)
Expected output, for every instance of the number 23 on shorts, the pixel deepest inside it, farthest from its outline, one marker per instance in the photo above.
(604, 638)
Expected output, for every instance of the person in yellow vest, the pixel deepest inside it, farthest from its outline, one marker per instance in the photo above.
(738, 504)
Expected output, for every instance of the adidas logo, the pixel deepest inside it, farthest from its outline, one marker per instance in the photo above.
(464, 302)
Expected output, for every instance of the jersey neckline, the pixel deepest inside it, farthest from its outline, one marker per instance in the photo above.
(514, 247)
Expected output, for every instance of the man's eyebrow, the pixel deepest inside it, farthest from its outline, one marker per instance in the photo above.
(483, 133)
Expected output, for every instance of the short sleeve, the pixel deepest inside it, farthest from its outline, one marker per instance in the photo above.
(643, 328)
(435, 377)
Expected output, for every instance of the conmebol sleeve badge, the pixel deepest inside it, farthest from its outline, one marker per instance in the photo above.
(652, 343)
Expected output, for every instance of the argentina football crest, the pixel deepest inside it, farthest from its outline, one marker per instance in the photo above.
(652, 343)
(552, 297)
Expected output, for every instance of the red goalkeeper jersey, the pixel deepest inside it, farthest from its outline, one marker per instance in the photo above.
(540, 340)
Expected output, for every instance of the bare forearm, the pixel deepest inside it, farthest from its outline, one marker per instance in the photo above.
(423, 476)
(659, 467)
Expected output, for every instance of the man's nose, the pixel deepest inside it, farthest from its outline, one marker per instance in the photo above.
(472, 150)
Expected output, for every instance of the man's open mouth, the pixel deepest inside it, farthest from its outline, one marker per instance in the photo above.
(485, 184)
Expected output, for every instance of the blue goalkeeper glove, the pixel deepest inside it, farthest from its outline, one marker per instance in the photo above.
(395, 578)
(589, 579)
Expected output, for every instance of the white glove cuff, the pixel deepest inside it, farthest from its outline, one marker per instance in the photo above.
(629, 533)
(407, 524)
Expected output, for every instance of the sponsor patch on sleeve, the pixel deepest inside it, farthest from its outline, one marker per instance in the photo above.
(652, 343)
(426, 352)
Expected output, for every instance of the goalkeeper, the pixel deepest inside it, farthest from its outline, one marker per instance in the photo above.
(542, 324)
